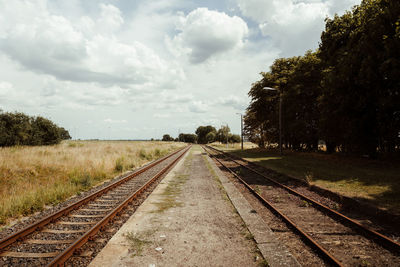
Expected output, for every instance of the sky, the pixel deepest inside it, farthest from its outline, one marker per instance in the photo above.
(123, 69)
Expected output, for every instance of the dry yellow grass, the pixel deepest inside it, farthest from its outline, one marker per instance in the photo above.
(32, 177)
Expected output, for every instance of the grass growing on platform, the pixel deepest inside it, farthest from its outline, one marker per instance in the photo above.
(32, 177)
(373, 181)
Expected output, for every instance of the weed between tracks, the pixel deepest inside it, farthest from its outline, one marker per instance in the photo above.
(33, 177)
(174, 189)
(136, 243)
(170, 194)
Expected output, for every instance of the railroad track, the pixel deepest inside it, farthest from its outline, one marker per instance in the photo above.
(54, 239)
(338, 239)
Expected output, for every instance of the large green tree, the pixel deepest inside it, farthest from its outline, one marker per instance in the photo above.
(297, 81)
(20, 129)
(361, 81)
(347, 93)
(202, 132)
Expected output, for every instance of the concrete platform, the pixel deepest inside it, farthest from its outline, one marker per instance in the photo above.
(187, 221)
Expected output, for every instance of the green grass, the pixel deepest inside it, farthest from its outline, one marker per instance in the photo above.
(373, 181)
(136, 243)
(174, 188)
(170, 193)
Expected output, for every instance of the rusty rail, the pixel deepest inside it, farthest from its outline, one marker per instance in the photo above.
(68, 252)
(52, 217)
(377, 237)
(323, 252)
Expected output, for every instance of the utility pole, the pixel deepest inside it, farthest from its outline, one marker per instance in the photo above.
(241, 129)
(227, 136)
(280, 124)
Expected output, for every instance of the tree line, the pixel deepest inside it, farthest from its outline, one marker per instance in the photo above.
(20, 129)
(347, 93)
(206, 134)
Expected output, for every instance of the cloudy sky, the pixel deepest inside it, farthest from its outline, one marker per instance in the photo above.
(125, 69)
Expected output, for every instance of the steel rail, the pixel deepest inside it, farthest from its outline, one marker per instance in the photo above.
(323, 252)
(52, 217)
(68, 252)
(377, 237)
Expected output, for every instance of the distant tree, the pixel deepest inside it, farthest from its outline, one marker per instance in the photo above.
(44, 132)
(210, 137)
(167, 137)
(20, 129)
(202, 132)
(223, 134)
(234, 138)
(64, 134)
(181, 137)
(191, 138)
(187, 138)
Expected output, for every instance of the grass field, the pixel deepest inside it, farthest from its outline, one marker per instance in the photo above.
(373, 181)
(32, 177)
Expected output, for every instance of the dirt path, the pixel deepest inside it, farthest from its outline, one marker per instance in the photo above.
(186, 221)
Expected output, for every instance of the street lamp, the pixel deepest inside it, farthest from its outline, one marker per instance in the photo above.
(280, 117)
(241, 128)
(227, 132)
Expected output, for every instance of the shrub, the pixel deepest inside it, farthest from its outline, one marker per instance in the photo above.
(119, 164)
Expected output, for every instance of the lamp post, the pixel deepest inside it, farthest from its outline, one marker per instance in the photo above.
(227, 133)
(280, 117)
(241, 128)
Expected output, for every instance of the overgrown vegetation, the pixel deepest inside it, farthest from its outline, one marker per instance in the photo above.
(346, 93)
(173, 189)
(32, 177)
(20, 129)
(136, 243)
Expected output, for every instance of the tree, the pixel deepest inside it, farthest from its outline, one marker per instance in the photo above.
(347, 93)
(187, 138)
(20, 129)
(167, 137)
(223, 134)
(361, 79)
(64, 134)
(234, 138)
(202, 132)
(210, 137)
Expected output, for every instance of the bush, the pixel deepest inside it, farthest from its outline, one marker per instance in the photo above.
(119, 164)
(20, 129)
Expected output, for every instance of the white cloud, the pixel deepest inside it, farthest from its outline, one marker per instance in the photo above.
(114, 62)
(204, 33)
(110, 18)
(161, 115)
(6, 89)
(198, 107)
(108, 120)
(236, 102)
(294, 26)
(80, 50)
